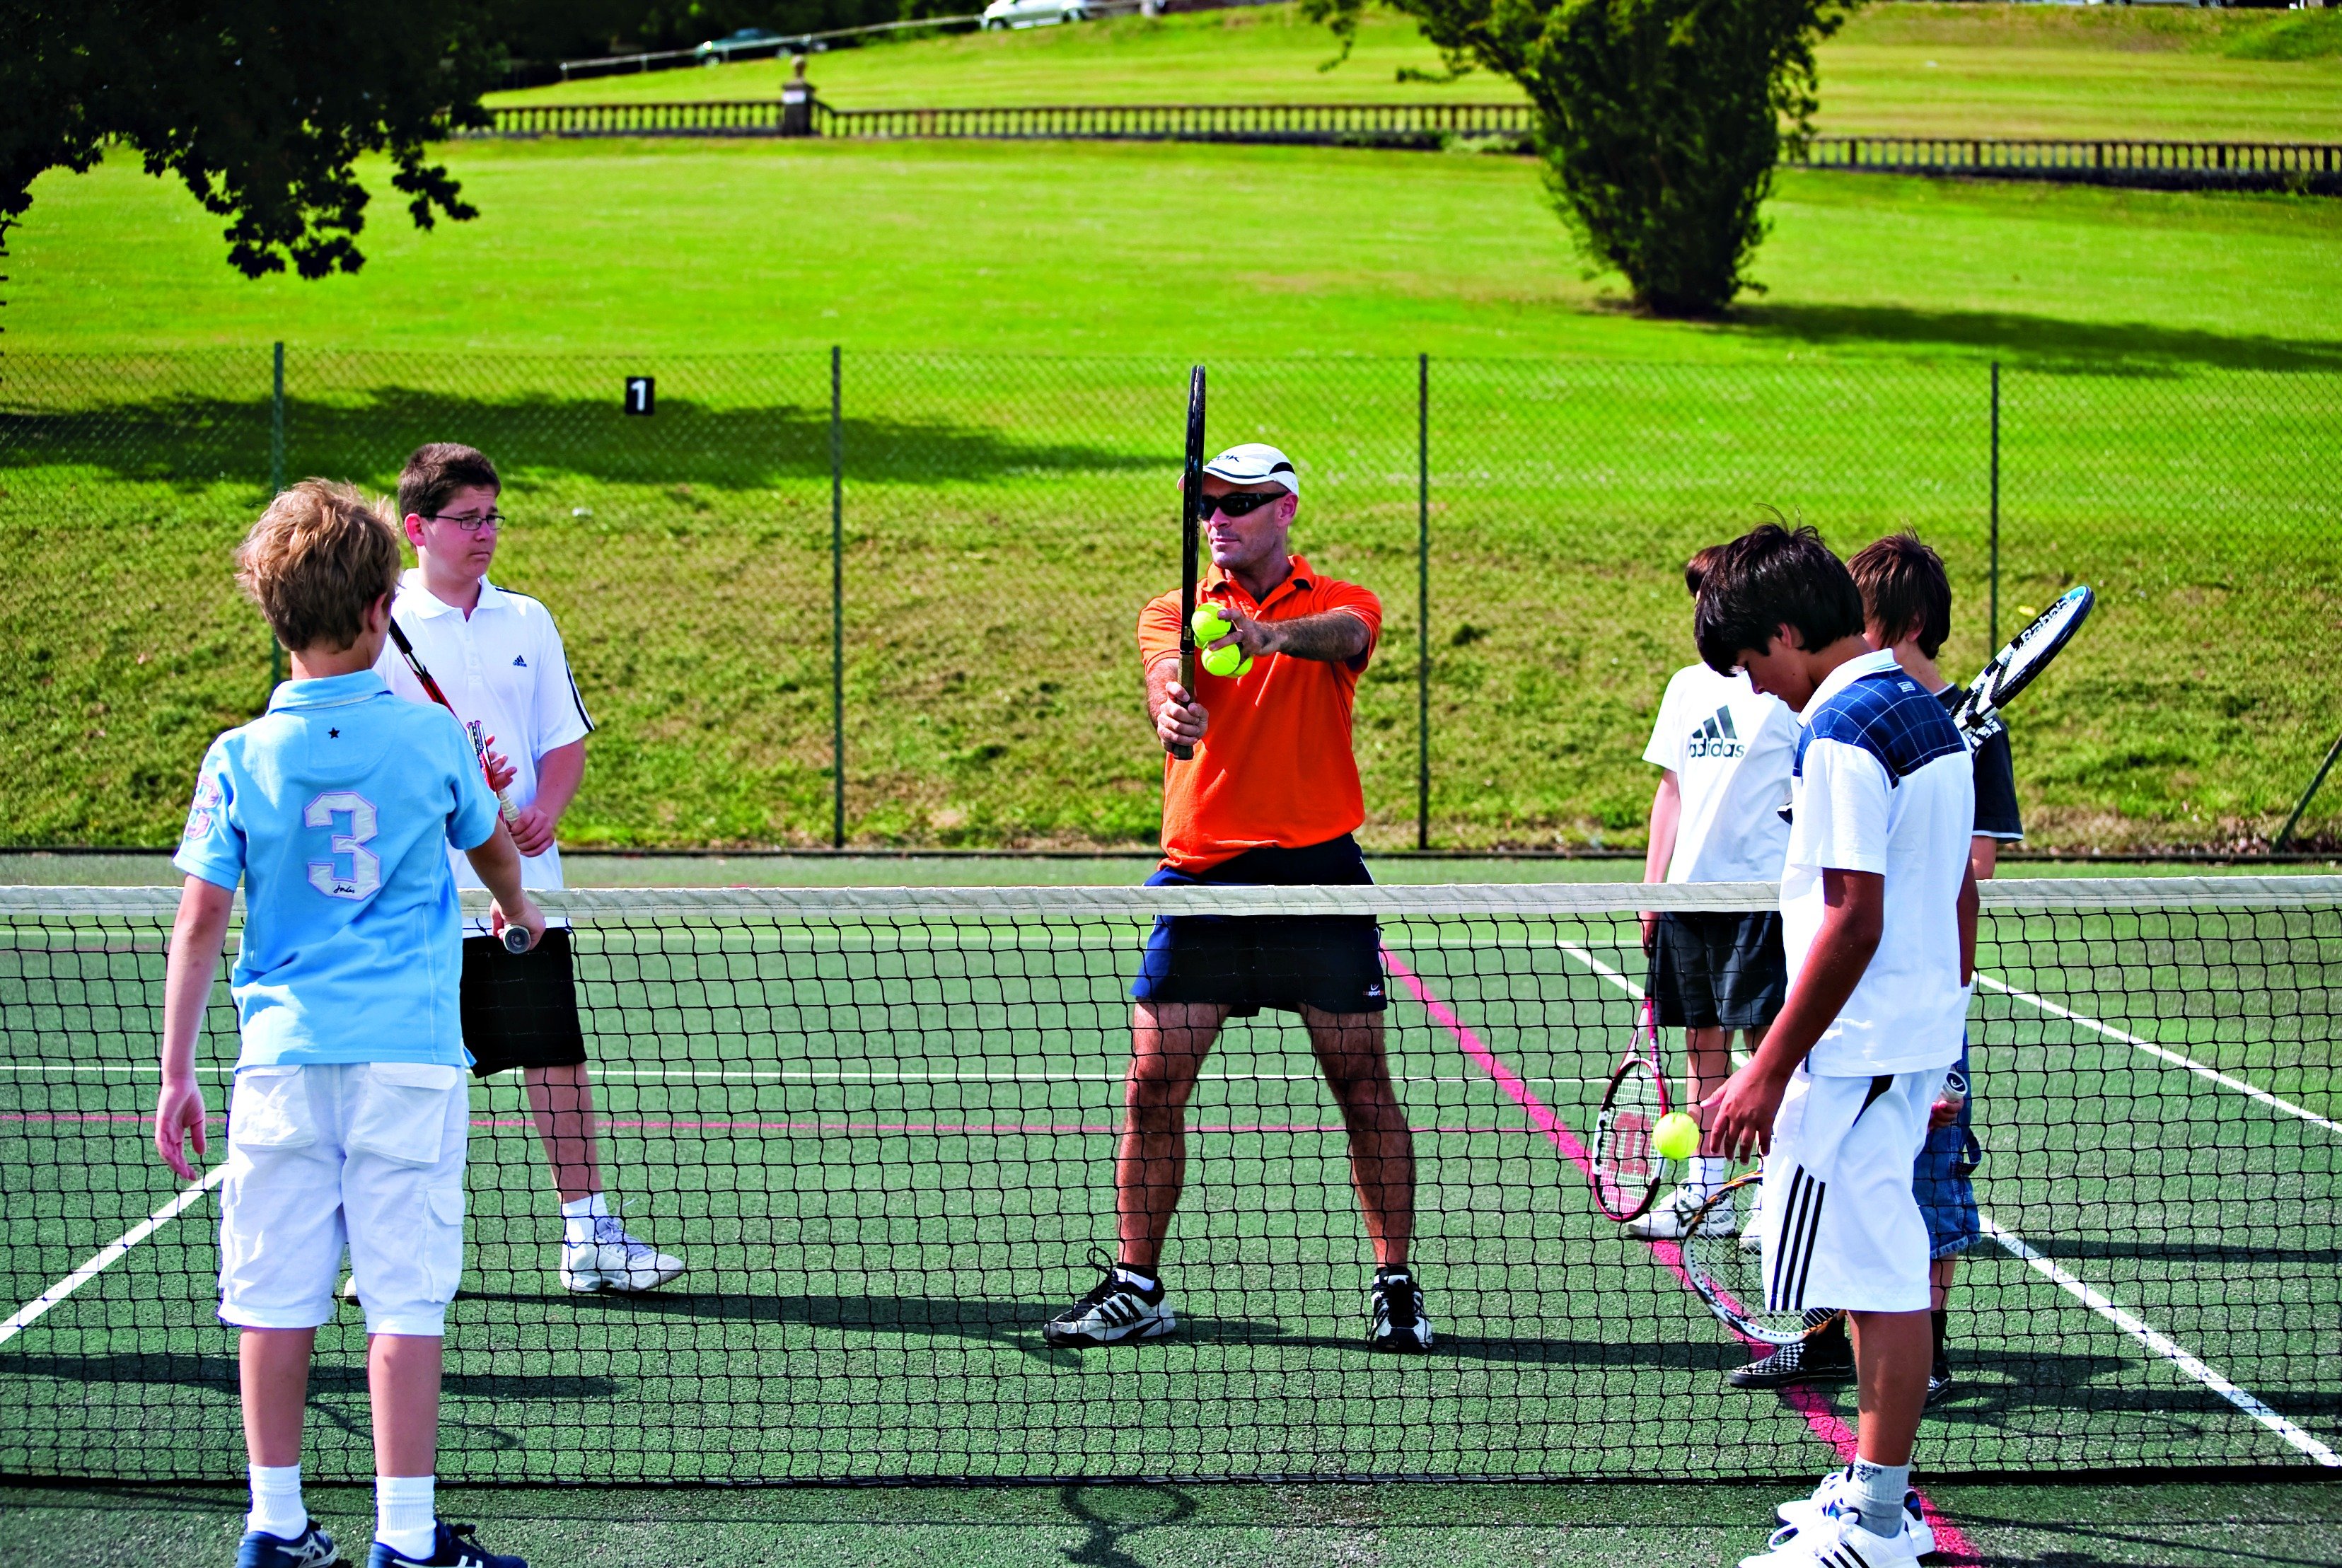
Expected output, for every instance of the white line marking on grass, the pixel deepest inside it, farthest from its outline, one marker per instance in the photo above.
(33, 1310)
(1614, 976)
(2161, 1344)
(2212, 1073)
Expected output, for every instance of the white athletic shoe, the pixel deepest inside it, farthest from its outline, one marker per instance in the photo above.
(1396, 1318)
(1114, 1311)
(614, 1261)
(1808, 1512)
(1669, 1219)
(1837, 1540)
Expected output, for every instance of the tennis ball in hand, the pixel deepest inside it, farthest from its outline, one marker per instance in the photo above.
(1676, 1137)
(1229, 661)
(1209, 623)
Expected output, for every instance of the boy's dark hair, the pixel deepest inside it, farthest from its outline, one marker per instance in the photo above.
(1768, 578)
(436, 472)
(318, 556)
(1696, 569)
(1903, 590)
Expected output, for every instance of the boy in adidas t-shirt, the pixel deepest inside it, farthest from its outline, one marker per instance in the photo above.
(1878, 920)
(1724, 749)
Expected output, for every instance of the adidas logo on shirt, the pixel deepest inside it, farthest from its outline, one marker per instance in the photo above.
(519, 663)
(1715, 737)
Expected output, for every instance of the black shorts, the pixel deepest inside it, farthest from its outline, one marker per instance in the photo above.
(1330, 962)
(1718, 971)
(520, 1009)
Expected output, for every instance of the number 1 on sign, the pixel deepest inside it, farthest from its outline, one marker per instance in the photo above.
(642, 393)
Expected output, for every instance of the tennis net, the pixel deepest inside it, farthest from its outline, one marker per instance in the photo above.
(879, 1126)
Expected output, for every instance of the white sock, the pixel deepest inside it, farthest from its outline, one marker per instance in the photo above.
(1709, 1172)
(276, 1506)
(404, 1520)
(1139, 1277)
(578, 1216)
(1878, 1492)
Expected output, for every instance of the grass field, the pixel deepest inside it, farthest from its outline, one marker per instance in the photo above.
(1958, 70)
(885, 1149)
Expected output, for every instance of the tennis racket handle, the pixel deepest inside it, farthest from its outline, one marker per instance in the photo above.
(515, 939)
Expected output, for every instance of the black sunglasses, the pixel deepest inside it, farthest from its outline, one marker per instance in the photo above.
(1238, 503)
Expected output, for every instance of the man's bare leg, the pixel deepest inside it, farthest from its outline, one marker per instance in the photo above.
(1350, 1051)
(561, 1101)
(1168, 1043)
(1708, 1063)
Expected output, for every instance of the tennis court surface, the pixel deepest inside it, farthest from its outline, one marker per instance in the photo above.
(879, 1124)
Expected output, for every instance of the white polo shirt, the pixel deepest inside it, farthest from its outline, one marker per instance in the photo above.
(1730, 747)
(503, 665)
(1883, 784)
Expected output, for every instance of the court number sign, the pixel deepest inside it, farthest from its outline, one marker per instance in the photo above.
(642, 393)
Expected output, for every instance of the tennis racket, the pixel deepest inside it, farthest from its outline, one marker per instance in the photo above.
(1191, 496)
(1730, 1273)
(516, 938)
(1627, 1170)
(2015, 667)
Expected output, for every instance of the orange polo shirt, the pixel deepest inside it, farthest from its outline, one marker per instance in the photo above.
(1275, 764)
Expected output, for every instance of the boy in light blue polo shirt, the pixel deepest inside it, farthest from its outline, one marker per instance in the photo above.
(349, 1115)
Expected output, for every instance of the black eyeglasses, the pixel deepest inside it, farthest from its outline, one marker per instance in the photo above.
(469, 525)
(1239, 503)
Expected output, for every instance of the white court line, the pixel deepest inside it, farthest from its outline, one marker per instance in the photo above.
(2090, 1296)
(2174, 1057)
(2163, 1345)
(33, 1310)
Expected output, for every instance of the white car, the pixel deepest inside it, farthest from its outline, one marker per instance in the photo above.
(1002, 13)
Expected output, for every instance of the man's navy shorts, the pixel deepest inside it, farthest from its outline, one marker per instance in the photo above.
(1718, 970)
(1330, 962)
(1940, 1178)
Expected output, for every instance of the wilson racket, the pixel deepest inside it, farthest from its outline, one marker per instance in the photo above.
(1191, 495)
(516, 938)
(1727, 1269)
(2016, 666)
(1627, 1170)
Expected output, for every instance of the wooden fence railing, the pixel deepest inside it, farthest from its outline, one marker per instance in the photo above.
(2305, 165)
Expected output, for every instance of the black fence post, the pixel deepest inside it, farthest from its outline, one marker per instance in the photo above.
(1992, 638)
(837, 596)
(277, 488)
(1423, 601)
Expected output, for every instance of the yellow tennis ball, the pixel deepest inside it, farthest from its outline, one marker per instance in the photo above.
(1209, 623)
(1676, 1137)
(1230, 661)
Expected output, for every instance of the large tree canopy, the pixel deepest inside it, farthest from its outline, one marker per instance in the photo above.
(262, 106)
(1660, 121)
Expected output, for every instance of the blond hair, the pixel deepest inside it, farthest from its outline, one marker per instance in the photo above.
(318, 556)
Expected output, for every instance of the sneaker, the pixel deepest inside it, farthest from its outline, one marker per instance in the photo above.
(614, 1261)
(1669, 1219)
(1836, 1540)
(1398, 1322)
(1117, 1310)
(313, 1548)
(452, 1546)
(1823, 1358)
(1939, 1383)
(1808, 1512)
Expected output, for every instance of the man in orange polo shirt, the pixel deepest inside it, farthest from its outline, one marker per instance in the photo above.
(1271, 797)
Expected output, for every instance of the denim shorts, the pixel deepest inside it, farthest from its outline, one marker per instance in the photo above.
(1940, 1177)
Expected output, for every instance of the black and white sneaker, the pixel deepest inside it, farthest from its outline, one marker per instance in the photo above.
(1398, 1322)
(1939, 1382)
(1116, 1311)
(1823, 1358)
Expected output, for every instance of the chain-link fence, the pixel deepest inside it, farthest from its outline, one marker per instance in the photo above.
(930, 566)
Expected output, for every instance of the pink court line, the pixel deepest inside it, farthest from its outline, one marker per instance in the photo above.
(1825, 1423)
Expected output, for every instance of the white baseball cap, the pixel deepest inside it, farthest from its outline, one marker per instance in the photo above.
(1256, 463)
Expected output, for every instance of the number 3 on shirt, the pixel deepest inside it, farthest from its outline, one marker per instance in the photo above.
(366, 866)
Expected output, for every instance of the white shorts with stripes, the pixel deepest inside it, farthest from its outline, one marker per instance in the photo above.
(1840, 1225)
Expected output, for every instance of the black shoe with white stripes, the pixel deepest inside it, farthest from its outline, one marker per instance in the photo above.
(1116, 1311)
(1398, 1321)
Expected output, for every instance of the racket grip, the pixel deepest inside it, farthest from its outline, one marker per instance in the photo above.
(515, 939)
(1186, 754)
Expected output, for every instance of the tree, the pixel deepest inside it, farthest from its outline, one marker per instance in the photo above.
(262, 106)
(1660, 121)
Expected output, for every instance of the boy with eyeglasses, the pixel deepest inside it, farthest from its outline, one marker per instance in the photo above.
(500, 660)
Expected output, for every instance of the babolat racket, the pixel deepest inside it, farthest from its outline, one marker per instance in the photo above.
(1730, 1273)
(516, 937)
(2015, 667)
(1627, 1170)
(1191, 498)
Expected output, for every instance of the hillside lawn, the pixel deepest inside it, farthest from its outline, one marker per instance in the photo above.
(2193, 715)
(1896, 69)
